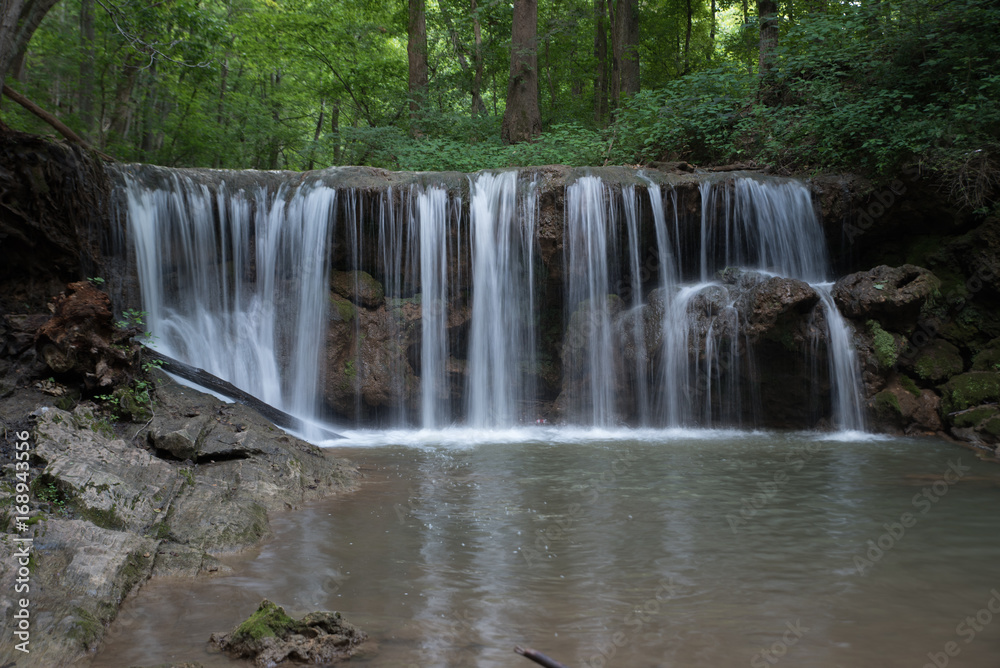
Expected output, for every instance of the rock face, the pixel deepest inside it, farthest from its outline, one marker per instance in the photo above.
(270, 637)
(81, 338)
(891, 295)
(114, 513)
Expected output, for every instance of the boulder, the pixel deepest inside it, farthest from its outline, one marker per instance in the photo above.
(891, 295)
(934, 362)
(359, 287)
(988, 359)
(270, 637)
(970, 389)
(902, 406)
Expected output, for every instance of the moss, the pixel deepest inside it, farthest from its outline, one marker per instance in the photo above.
(887, 405)
(86, 628)
(884, 344)
(974, 417)
(270, 620)
(343, 310)
(938, 361)
(970, 389)
(992, 427)
(106, 519)
(988, 358)
(350, 370)
(907, 384)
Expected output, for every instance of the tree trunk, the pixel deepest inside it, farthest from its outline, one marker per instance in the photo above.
(477, 81)
(624, 47)
(18, 21)
(601, 58)
(86, 87)
(522, 120)
(687, 40)
(711, 35)
(335, 130)
(416, 51)
(767, 11)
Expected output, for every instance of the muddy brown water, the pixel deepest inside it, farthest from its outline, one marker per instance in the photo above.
(632, 549)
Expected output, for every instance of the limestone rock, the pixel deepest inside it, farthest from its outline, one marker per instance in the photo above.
(891, 295)
(359, 287)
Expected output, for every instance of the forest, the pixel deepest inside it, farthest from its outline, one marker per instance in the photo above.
(867, 86)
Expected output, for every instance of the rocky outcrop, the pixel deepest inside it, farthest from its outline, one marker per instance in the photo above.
(270, 637)
(892, 295)
(116, 510)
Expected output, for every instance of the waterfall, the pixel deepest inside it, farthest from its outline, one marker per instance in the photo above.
(242, 296)
(502, 337)
(641, 319)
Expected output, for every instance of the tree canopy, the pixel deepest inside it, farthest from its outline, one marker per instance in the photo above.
(864, 85)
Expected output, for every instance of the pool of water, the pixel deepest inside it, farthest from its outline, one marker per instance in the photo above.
(623, 548)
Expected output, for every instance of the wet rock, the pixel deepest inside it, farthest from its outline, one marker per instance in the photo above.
(81, 573)
(979, 426)
(988, 359)
(935, 362)
(359, 287)
(270, 637)
(970, 389)
(82, 339)
(776, 306)
(891, 295)
(902, 406)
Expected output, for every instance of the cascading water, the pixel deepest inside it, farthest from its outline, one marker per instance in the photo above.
(502, 337)
(242, 295)
(236, 281)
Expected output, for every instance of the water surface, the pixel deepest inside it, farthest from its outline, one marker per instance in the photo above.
(622, 548)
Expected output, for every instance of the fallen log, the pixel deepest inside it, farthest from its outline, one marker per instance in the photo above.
(216, 384)
(539, 658)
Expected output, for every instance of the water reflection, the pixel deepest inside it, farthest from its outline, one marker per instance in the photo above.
(734, 550)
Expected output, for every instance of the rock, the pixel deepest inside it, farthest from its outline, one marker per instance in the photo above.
(970, 389)
(775, 306)
(988, 359)
(81, 573)
(81, 338)
(359, 287)
(979, 426)
(902, 406)
(891, 295)
(270, 637)
(935, 362)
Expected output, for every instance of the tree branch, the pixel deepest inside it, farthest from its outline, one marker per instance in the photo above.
(61, 127)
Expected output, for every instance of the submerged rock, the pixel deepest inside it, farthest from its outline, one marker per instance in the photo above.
(270, 637)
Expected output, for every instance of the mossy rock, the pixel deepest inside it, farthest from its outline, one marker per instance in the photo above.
(887, 405)
(937, 361)
(342, 310)
(974, 417)
(884, 344)
(970, 389)
(269, 621)
(988, 358)
(992, 427)
(359, 287)
(907, 384)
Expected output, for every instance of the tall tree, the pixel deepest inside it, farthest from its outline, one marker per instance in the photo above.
(522, 119)
(18, 21)
(416, 51)
(767, 15)
(86, 91)
(600, 62)
(625, 48)
(477, 56)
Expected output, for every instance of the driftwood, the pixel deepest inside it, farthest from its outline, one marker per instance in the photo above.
(216, 384)
(539, 658)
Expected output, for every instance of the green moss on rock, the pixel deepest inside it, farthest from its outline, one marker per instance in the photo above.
(269, 620)
(938, 361)
(974, 417)
(341, 310)
(907, 384)
(887, 404)
(988, 359)
(884, 344)
(970, 389)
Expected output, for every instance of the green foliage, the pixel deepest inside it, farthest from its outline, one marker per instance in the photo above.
(96, 281)
(884, 344)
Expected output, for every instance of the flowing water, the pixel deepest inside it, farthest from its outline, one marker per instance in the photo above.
(694, 549)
